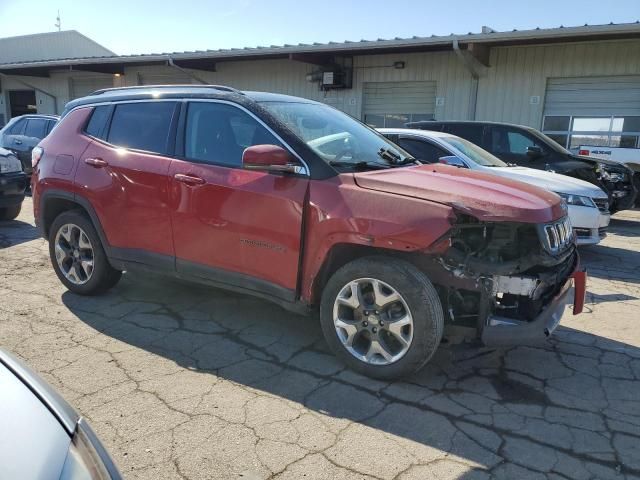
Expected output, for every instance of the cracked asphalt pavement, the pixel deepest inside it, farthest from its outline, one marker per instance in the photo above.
(182, 381)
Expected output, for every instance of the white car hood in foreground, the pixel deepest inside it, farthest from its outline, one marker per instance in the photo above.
(549, 181)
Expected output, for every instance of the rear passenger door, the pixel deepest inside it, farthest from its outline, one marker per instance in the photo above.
(123, 173)
(239, 227)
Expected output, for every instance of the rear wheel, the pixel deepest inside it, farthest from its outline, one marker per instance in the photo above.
(10, 213)
(382, 317)
(78, 257)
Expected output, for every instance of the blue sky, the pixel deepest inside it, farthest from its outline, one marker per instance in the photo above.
(147, 26)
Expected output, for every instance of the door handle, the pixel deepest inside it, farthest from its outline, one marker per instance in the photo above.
(189, 179)
(17, 142)
(96, 162)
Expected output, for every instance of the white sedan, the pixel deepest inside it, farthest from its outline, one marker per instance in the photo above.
(588, 204)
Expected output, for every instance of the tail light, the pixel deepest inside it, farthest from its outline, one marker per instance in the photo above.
(583, 152)
(36, 155)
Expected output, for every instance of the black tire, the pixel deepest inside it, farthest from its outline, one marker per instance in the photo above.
(10, 213)
(418, 293)
(104, 276)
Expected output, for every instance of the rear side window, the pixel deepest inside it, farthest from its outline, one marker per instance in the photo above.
(142, 126)
(98, 121)
(36, 128)
(218, 133)
(422, 149)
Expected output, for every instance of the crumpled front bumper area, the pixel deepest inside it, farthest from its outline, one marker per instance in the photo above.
(502, 330)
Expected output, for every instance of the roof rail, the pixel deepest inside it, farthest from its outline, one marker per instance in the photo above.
(222, 88)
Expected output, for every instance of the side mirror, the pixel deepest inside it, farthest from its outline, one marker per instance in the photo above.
(534, 151)
(269, 158)
(453, 161)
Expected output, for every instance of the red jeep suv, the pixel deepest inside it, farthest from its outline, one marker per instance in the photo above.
(296, 202)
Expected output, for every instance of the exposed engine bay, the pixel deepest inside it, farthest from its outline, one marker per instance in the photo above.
(490, 272)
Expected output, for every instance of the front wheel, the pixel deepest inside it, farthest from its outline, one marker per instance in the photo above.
(382, 317)
(78, 257)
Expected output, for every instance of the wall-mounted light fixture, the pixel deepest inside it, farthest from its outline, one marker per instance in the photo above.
(398, 65)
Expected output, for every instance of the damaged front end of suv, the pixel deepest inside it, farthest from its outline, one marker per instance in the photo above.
(508, 281)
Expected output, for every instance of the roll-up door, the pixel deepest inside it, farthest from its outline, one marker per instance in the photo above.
(602, 111)
(83, 86)
(392, 104)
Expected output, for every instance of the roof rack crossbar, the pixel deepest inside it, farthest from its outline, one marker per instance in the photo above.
(222, 88)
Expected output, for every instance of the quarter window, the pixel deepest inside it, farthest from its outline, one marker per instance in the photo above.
(98, 121)
(219, 133)
(142, 126)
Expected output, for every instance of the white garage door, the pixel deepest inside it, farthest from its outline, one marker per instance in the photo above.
(392, 104)
(170, 78)
(603, 111)
(82, 86)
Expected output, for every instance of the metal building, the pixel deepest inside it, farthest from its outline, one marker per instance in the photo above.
(579, 84)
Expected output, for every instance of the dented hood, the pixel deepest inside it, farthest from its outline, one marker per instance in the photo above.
(486, 197)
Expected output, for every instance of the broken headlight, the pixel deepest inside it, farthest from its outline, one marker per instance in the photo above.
(609, 174)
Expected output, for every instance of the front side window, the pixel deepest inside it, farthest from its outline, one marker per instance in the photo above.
(511, 142)
(336, 137)
(142, 126)
(218, 133)
(423, 150)
(17, 127)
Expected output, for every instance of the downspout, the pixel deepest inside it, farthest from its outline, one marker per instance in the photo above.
(26, 84)
(186, 72)
(473, 97)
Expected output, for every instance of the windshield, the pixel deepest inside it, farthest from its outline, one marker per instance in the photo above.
(473, 152)
(336, 137)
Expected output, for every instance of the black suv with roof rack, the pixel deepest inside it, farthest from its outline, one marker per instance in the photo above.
(531, 148)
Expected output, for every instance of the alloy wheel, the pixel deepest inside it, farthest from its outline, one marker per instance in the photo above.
(74, 253)
(373, 321)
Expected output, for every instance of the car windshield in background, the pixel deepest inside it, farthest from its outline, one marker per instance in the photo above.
(336, 137)
(474, 152)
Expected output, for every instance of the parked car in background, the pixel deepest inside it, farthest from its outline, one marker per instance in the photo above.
(528, 147)
(23, 133)
(588, 204)
(294, 201)
(41, 435)
(13, 183)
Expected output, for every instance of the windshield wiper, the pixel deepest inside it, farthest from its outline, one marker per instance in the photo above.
(394, 158)
(358, 165)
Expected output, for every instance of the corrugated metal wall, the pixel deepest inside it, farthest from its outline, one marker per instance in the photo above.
(505, 94)
(519, 73)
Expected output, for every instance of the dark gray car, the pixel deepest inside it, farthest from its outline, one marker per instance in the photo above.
(23, 133)
(41, 435)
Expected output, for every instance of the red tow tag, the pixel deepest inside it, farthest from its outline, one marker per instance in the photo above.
(580, 290)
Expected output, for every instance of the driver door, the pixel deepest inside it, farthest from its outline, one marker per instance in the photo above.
(231, 225)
